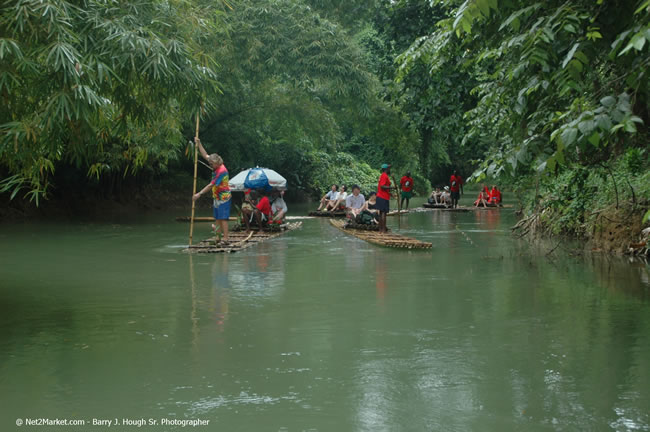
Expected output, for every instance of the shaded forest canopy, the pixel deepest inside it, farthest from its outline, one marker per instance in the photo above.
(550, 96)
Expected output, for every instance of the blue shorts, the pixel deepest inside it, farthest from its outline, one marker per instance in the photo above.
(222, 212)
(382, 205)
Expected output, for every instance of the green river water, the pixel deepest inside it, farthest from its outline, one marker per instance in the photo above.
(319, 331)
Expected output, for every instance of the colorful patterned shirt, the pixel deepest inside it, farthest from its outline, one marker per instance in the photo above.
(220, 187)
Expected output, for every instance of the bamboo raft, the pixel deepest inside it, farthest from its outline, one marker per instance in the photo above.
(336, 214)
(465, 209)
(239, 240)
(200, 219)
(386, 239)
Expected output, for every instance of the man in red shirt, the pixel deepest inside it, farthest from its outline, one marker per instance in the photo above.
(406, 184)
(456, 187)
(383, 196)
(261, 212)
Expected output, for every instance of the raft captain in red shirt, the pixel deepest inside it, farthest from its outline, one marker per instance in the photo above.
(456, 183)
(406, 184)
(383, 196)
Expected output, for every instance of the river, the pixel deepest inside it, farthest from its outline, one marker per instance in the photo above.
(319, 331)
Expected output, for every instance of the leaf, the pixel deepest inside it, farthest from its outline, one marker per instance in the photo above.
(644, 5)
(576, 65)
(594, 139)
(630, 126)
(569, 55)
(608, 101)
(586, 126)
(637, 42)
(569, 136)
(646, 217)
(484, 7)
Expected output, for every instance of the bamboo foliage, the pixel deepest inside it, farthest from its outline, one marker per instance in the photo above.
(103, 84)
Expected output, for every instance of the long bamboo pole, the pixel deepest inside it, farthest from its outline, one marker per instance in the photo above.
(399, 204)
(196, 158)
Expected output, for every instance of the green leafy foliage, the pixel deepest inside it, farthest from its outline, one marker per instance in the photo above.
(559, 88)
(99, 84)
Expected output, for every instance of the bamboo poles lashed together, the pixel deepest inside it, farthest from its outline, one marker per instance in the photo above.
(196, 158)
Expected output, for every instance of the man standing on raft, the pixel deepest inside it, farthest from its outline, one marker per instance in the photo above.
(456, 183)
(406, 184)
(383, 196)
(220, 190)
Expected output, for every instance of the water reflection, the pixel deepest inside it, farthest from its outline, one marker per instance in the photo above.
(220, 291)
(489, 220)
(259, 274)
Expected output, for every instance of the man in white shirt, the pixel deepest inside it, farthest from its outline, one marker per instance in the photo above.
(339, 201)
(278, 206)
(329, 196)
(445, 197)
(354, 203)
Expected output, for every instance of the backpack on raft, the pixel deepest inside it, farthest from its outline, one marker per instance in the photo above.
(365, 218)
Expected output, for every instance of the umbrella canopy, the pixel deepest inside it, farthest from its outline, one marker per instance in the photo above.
(257, 178)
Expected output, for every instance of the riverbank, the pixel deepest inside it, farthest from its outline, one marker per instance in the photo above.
(603, 208)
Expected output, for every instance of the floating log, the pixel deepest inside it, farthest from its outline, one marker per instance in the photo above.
(200, 219)
(240, 240)
(336, 214)
(382, 239)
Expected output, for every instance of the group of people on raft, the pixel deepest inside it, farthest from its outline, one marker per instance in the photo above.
(488, 197)
(259, 205)
(371, 209)
(450, 195)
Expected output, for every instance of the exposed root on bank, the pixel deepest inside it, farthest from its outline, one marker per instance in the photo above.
(616, 229)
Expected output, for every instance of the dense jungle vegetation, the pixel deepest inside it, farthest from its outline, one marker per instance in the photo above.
(550, 99)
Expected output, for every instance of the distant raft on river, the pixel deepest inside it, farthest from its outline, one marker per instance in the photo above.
(442, 207)
(341, 214)
(240, 240)
(388, 239)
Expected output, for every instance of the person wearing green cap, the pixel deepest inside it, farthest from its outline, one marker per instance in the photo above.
(383, 196)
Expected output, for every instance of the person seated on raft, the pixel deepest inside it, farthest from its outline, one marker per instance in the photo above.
(278, 207)
(495, 196)
(486, 192)
(329, 196)
(354, 202)
(482, 199)
(434, 198)
(445, 197)
(368, 208)
(370, 204)
(261, 213)
(339, 202)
